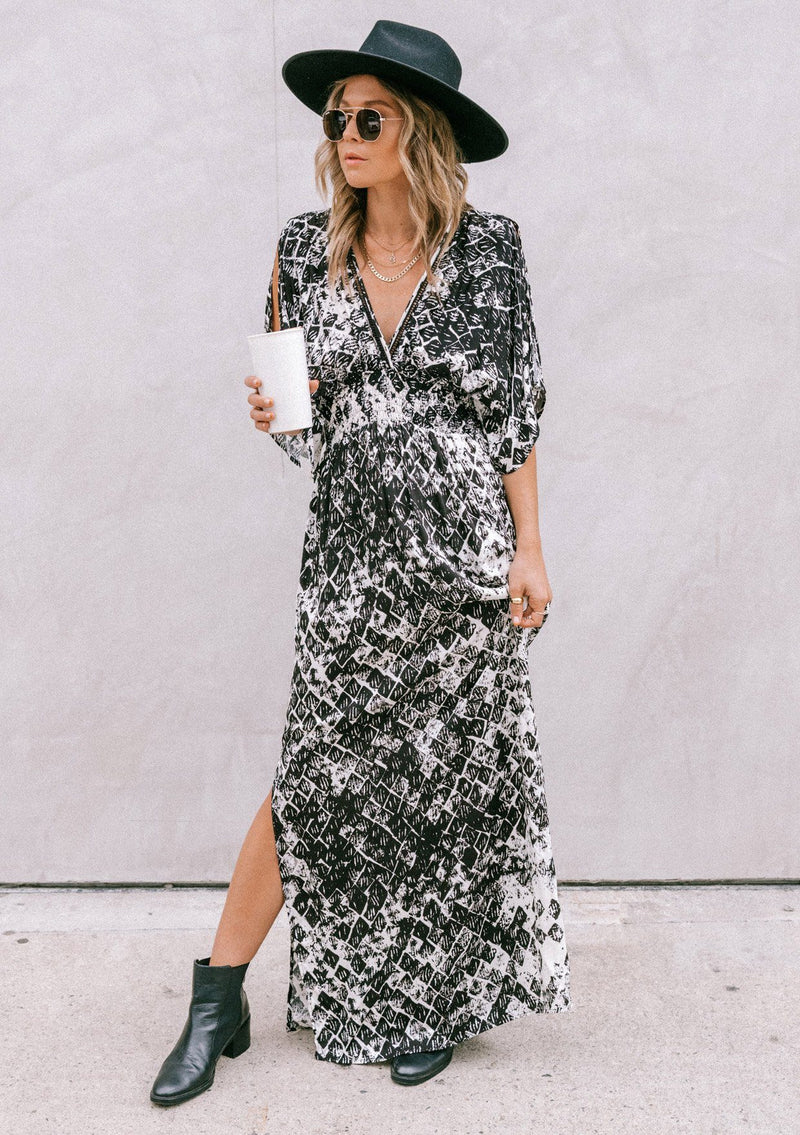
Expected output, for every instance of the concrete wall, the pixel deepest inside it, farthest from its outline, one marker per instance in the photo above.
(152, 536)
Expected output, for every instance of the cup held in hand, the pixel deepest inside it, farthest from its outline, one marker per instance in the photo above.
(279, 360)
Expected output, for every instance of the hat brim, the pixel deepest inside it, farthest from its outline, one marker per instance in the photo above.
(309, 75)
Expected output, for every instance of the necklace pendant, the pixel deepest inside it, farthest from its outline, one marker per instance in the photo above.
(392, 259)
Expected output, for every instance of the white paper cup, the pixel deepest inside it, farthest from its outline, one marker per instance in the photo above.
(279, 360)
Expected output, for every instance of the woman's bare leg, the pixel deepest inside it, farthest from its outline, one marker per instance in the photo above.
(255, 895)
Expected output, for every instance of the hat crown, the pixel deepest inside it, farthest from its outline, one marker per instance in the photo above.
(415, 47)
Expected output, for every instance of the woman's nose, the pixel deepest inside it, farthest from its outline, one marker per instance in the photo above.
(351, 133)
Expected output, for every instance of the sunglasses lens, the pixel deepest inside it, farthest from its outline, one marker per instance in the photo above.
(369, 124)
(334, 123)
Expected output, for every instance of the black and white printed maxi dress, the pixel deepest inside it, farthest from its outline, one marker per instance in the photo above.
(408, 803)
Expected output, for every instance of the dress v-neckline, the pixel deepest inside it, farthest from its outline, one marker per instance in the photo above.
(390, 347)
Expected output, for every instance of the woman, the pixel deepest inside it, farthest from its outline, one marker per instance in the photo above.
(407, 827)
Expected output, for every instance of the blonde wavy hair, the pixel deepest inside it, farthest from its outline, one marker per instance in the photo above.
(432, 161)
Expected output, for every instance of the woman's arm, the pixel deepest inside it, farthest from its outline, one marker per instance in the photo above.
(527, 575)
(522, 493)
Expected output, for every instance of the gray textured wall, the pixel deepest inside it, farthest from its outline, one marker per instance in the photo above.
(152, 536)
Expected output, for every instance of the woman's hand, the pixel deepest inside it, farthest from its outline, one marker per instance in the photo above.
(527, 577)
(262, 414)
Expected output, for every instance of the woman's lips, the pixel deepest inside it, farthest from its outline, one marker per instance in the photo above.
(354, 160)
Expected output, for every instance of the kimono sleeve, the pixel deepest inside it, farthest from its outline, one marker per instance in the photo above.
(510, 410)
(297, 446)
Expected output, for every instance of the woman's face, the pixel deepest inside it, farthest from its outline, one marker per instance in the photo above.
(378, 161)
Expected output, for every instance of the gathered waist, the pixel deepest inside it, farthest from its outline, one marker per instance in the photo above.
(369, 444)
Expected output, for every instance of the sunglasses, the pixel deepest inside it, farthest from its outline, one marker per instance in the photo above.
(369, 123)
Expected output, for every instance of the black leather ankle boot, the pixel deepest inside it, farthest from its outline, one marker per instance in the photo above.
(414, 1067)
(218, 1024)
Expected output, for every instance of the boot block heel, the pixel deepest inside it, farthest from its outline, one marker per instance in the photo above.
(240, 1042)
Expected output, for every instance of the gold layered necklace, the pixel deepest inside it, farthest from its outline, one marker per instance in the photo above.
(391, 251)
(392, 259)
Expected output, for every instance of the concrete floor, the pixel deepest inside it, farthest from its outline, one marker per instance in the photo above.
(685, 1018)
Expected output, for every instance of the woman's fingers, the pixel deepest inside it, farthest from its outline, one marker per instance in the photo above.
(533, 616)
(529, 613)
(261, 413)
(515, 610)
(257, 399)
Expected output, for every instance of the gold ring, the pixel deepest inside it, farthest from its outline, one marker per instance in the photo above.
(517, 600)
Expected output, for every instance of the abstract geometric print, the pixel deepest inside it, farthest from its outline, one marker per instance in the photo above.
(408, 803)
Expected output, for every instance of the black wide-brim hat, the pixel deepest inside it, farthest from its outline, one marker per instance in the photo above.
(421, 61)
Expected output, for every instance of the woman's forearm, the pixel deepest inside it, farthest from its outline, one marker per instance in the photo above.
(522, 493)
